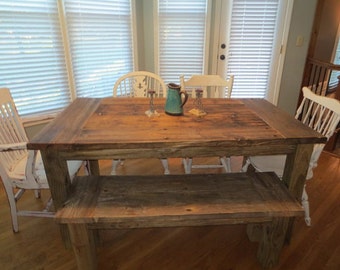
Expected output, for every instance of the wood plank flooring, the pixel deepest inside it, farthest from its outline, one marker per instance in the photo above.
(38, 244)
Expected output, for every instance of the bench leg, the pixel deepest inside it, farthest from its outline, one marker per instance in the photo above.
(273, 239)
(83, 244)
(254, 232)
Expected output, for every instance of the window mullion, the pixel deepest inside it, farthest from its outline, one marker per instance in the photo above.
(67, 50)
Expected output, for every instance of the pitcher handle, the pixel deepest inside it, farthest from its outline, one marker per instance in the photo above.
(185, 97)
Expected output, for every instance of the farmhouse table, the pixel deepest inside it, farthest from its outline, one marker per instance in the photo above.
(114, 128)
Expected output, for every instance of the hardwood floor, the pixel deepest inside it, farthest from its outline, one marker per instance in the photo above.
(38, 244)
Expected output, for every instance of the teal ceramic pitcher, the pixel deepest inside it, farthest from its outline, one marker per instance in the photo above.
(175, 100)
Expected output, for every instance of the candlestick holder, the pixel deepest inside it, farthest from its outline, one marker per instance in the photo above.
(151, 112)
(198, 105)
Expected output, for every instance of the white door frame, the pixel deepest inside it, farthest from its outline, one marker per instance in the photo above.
(220, 35)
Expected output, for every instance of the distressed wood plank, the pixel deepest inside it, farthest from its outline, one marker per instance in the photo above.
(178, 200)
(108, 202)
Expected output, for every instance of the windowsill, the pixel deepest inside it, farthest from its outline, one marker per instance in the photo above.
(33, 120)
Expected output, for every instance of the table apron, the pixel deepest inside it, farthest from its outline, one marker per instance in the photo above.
(177, 152)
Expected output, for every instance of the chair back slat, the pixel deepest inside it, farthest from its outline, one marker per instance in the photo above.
(11, 132)
(213, 86)
(320, 113)
(138, 83)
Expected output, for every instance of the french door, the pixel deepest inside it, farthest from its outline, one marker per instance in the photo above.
(249, 42)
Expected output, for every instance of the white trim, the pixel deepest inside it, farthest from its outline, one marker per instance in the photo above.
(207, 37)
(67, 50)
(29, 121)
(221, 35)
(134, 34)
(216, 36)
(286, 9)
(156, 36)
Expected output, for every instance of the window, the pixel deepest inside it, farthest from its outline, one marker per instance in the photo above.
(52, 51)
(32, 57)
(101, 44)
(251, 45)
(181, 38)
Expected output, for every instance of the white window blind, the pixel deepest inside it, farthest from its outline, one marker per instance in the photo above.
(181, 34)
(100, 35)
(33, 52)
(31, 55)
(251, 41)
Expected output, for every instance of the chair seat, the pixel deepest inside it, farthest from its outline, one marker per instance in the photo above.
(19, 178)
(274, 163)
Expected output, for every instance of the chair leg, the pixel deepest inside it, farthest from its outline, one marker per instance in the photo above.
(187, 163)
(48, 205)
(305, 204)
(37, 193)
(115, 163)
(87, 170)
(225, 161)
(165, 165)
(245, 166)
(13, 207)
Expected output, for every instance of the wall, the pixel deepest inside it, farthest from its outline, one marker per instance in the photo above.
(301, 25)
(330, 19)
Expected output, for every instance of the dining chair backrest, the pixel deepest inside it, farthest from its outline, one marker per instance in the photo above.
(12, 134)
(138, 83)
(320, 113)
(213, 86)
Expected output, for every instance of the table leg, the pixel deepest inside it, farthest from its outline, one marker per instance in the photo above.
(83, 245)
(296, 168)
(59, 181)
(94, 167)
(295, 174)
(273, 238)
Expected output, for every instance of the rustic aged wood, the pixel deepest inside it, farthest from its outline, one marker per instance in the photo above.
(112, 128)
(106, 202)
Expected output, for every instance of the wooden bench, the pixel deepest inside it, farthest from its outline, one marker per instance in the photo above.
(113, 202)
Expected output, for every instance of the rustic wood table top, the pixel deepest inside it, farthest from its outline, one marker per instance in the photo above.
(120, 123)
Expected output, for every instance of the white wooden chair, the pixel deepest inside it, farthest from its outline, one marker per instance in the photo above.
(213, 86)
(319, 113)
(21, 169)
(137, 84)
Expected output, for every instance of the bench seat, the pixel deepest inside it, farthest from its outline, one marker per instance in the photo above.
(113, 202)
